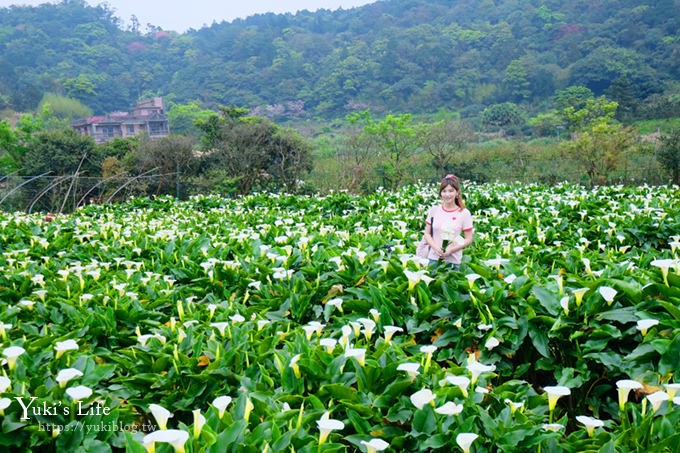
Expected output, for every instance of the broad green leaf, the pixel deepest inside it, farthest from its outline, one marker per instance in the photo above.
(547, 299)
(424, 420)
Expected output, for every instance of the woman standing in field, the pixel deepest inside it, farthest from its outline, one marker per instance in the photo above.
(446, 223)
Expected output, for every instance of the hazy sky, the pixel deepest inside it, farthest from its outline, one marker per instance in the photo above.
(180, 15)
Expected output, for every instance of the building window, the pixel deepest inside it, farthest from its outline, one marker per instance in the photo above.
(108, 131)
(157, 128)
(131, 129)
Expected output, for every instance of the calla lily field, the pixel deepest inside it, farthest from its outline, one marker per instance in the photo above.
(281, 323)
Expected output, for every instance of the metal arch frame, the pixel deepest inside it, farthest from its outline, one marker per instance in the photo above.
(23, 184)
(56, 182)
(77, 172)
(108, 200)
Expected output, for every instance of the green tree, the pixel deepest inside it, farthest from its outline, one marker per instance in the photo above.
(61, 152)
(395, 138)
(355, 151)
(516, 81)
(14, 141)
(171, 158)
(622, 91)
(245, 153)
(182, 118)
(600, 149)
(573, 96)
(290, 159)
(595, 111)
(505, 117)
(547, 124)
(443, 141)
(668, 154)
(64, 155)
(62, 110)
(9, 153)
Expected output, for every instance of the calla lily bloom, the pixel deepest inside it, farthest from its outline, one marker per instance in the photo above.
(390, 331)
(644, 324)
(411, 368)
(161, 415)
(199, 421)
(175, 437)
(220, 403)
(5, 383)
(428, 350)
(624, 387)
(422, 397)
(471, 279)
(63, 346)
(374, 445)
(496, 262)
(335, 302)
(564, 303)
(4, 404)
(328, 343)
(555, 393)
(590, 423)
(674, 243)
(664, 265)
(462, 382)
(294, 365)
(357, 353)
(28, 304)
(492, 343)
(449, 408)
(560, 282)
(554, 427)
(4, 328)
(369, 327)
(608, 293)
(142, 339)
(586, 263)
(220, 326)
(413, 278)
(326, 425)
(66, 375)
(383, 264)
(79, 393)
(344, 339)
(237, 318)
(476, 368)
(464, 441)
(657, 398)
(578, 295)
(12, 353)
(672, 389)
(514, 406)
(309, 331)
(375, 314)
(356, 328)
(248, 409)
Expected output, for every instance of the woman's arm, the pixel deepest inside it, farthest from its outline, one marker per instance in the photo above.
(430, 240)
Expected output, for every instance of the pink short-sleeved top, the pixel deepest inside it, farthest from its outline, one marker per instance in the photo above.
(455, 222)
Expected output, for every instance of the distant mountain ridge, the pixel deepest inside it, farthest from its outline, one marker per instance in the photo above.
(389, 56)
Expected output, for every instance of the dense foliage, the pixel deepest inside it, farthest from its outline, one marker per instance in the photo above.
(277, 323)
(389, 56)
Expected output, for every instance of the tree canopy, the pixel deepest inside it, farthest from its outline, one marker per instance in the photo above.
(389, 56)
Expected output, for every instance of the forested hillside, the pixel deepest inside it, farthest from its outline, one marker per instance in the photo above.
(390, 56)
